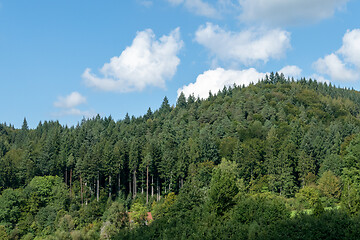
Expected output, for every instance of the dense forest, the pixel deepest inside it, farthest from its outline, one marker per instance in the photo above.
(276, 159)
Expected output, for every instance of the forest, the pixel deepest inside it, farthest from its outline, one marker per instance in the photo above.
(279, 159)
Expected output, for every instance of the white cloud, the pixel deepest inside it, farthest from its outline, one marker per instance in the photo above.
(147, 62)
(245, 47)
(70, 101)
(351, 47)
(291, 71)
(198, 7)
(75, 112)
(319, 78)
(176, 2)
(214, 80)
(332, 66)
(288, 12)
(346, 68)
(145, 3)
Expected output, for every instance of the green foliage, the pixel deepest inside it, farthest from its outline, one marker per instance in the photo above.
(330, 185)
(223, 187)
(279, 138)
(159, 209)
(308, 196)
(263, 209)
(3, 233)
(115, 219)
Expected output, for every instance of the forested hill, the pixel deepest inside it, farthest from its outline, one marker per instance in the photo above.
(281, 136)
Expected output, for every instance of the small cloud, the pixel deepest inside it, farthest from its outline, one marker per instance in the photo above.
(244, 47)
(175, 2)
(215, 80)
(70, 101)
(145, 3)
(319, 78)
(147, 62)
(291, 71)
(198, 7)
(75, 112)
(285, 12)
(68, 105)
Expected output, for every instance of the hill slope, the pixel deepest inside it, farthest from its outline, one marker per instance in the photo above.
(278, 136)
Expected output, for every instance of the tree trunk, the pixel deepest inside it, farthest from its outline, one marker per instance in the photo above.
(134, 187)
(119, 181)
(66, 173)
(97, 188)
(85, 184)
(147, 185)
(109, 186)
(157, 190)
(70, 181)
(170, 182)
(81, 192)
(152, 185)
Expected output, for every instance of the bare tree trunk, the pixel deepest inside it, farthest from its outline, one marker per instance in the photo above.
(81, 191)
(109, 186)
(182, 182)
(170, 182)
(147, 185)
(135, 187)
(70, 181)
(152, 185)
(158, 190)
(130, 182)
(66, 173)
(97, 188)
(86, 200)
(119, 186)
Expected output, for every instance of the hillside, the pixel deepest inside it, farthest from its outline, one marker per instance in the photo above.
(279, 145)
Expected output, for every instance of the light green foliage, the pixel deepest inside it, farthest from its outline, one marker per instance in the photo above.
(223, 187)
(115, 219)
(308, 196)
(161, 208)
(3, 233)
(330, 185)
(44, 190)
(138, 214)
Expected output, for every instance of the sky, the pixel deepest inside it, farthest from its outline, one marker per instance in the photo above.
(66, 60)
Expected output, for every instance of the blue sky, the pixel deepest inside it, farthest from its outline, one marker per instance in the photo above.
(62, 60)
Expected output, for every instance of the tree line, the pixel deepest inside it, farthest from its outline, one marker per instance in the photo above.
(293, 139)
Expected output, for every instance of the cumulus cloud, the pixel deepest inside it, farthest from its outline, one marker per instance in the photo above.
(244, 47)
(198, 7)
(331, 65)
(147, 62)
(344, 64)
(288, 12)
(72, 100)
(214, 80)
(351, 47)
(291, 71)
